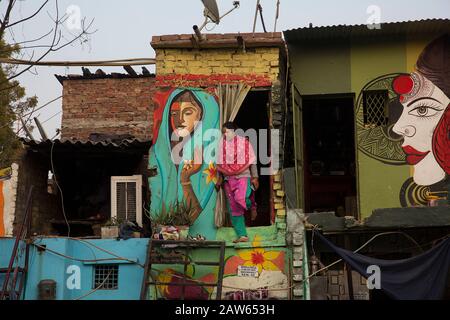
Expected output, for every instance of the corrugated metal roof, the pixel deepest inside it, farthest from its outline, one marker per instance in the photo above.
(125, 143)
(362, 30)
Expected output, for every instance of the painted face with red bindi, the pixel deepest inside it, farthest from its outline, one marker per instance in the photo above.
(424, 105)
(185, 114)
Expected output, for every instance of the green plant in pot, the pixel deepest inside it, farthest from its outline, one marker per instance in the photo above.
(111, 228)
(176, 215)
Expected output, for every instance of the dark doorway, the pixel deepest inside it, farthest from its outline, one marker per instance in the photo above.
(329, 153)
(253, 114)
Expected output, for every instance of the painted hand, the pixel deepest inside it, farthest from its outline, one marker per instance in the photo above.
(191, 167)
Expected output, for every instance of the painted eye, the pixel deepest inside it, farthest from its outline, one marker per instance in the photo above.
(423, 111)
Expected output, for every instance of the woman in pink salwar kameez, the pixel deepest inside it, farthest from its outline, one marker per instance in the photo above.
(236, 161)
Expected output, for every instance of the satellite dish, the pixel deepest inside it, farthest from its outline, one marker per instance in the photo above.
(211, 13)
(211, 10)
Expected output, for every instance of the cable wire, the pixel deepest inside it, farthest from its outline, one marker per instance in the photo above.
(95, 289)
(82, 260)
(60, 190)
(97, 247)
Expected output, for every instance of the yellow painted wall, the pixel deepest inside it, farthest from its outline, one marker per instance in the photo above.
(260, 61)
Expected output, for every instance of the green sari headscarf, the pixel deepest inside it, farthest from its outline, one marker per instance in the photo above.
(165, 187)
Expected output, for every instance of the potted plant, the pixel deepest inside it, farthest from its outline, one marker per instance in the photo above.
(110, 230)
(172, 222)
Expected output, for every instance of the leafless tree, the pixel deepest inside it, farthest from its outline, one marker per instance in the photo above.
(15, 107)
(54, 39)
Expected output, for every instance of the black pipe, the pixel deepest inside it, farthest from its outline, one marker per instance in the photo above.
(197, 32)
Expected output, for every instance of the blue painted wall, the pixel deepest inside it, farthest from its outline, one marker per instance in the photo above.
(46, 265)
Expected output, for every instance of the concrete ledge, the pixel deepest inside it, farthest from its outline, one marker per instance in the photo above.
(409, 217)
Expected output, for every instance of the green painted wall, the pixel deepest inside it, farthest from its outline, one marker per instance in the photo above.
(379, 184)
(329, 67)
(321, 68)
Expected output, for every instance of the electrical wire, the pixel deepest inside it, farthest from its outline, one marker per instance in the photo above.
(97, 247)
(31, 112)
(89, 247)
(51, 117)
(95, 289)
(60, 190)
(360, 248)
(81, 260)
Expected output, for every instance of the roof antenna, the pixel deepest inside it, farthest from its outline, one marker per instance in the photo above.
(277, 15)
(259, 9)
(211, 13)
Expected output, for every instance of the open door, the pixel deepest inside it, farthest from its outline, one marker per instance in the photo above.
(298, 145)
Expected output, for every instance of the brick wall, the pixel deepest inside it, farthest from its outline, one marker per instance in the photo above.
(110, 106)
(256, 61)
(33, 170)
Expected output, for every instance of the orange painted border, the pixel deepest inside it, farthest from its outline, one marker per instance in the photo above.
(2, 203)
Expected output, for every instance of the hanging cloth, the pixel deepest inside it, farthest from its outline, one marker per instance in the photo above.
(230, 98)
(423, 277)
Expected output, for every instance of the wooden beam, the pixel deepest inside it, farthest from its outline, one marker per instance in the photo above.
(41, 129)
(130, 70)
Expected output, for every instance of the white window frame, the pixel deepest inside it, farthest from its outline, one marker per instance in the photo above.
(138, 180)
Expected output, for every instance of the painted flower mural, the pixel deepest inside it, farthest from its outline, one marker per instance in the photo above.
(260, 258)
(171, 288)
(211, 173)
(263, 259)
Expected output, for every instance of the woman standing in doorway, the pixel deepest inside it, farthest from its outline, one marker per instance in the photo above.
(237, 163)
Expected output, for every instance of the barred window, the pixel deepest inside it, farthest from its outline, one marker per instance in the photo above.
(106, 276)
(375, 107)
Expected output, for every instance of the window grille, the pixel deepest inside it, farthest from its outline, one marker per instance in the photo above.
(106, 276)
(375, 107)
(126, 198)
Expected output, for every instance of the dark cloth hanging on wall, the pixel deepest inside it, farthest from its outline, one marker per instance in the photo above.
(423, 277)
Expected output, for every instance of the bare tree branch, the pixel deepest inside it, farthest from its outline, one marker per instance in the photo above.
(5, 21)
(56, 42)
(29, 17)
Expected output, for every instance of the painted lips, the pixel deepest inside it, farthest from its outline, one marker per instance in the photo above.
(414, 156)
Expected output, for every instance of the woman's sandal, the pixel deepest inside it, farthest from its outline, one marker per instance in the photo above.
(241, 239)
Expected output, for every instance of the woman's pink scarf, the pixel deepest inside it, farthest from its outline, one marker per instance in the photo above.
(235, 155)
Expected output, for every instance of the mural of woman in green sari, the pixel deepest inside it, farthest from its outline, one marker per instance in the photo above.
(183, 176)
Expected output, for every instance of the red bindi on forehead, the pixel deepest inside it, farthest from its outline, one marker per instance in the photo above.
(403, 84)
(176, 106)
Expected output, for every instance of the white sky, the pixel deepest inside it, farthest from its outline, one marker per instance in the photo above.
(124, 29)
